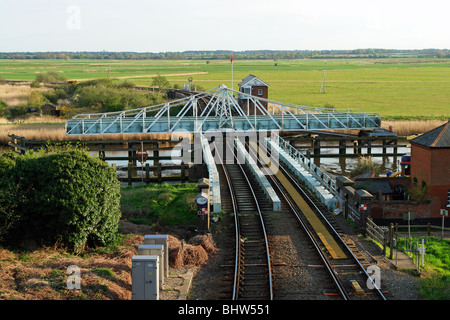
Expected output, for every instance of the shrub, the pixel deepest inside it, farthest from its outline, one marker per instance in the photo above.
(160, 82)
(3, 108)
(126, 84)
(17, 111)
(50, 76)
(8, 197)
(67, 197)
(419, 194)
(56, 94)
(103, 94)
(365, 164)
(111, 98)
(35, 84)
(36, 100)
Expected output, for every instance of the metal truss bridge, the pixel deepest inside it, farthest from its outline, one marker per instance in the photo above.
(218, 109)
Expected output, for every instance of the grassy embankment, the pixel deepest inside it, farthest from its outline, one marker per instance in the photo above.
(105, 271)
(435, 273)
(435, 282)
(163, 204)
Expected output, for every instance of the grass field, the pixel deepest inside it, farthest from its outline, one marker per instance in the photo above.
(164, 204)
(391, 87)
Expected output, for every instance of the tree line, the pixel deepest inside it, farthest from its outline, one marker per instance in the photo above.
(225, 54)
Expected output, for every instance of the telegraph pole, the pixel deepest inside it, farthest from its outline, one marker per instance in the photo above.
(322, 84)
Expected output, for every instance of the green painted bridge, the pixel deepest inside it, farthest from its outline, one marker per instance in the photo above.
(220, 109)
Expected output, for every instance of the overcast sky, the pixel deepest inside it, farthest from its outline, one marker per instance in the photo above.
(178, 25)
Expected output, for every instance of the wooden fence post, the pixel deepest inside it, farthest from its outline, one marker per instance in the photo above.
(101, 151)
(159, 173)
(156, 154)
(342, 147)
(130, 173)
(147, 173)
(183, 172)
(391, 240)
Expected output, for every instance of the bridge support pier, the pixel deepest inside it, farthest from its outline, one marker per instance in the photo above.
(342, 147)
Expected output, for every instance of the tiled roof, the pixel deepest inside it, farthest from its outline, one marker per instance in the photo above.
(436, 138)
(249, 78)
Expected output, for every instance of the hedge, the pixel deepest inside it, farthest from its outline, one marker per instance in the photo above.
(68, 197)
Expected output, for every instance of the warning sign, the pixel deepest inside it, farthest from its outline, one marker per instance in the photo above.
(142, 155)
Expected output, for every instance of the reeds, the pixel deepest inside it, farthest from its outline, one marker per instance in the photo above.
(412, 127)
(55, 132)
(16, 95)
(49, 128)
(46, 132)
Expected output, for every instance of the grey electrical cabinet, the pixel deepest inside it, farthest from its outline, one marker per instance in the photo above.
(164, 240)
(154, 250)
(145, 277)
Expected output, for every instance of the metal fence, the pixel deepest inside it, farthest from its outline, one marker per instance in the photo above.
(325, 179)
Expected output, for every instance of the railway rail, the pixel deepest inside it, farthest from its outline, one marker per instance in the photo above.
(344, 268)
(252, 265)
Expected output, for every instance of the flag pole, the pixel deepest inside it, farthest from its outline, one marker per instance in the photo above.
(231, 70)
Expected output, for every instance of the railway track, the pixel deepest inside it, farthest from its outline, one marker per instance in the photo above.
(252, 275)
(341, 261)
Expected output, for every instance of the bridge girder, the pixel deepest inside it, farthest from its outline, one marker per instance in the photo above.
(220, 111)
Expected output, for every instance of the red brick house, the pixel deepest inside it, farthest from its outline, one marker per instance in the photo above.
(430, 166)
(255, 87)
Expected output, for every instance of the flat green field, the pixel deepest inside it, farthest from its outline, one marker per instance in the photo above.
(390, 87)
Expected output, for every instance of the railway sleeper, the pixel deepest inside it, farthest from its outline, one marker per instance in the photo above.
(255, 274)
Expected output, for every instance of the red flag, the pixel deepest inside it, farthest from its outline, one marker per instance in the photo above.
(231, 58)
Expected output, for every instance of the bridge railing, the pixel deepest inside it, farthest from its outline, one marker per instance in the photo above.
(259, 176)
(325, 179)
(214, 182)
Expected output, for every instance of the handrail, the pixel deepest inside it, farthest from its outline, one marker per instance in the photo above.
(325, 179)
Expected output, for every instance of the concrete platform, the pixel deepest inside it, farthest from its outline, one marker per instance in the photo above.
(184, 288)
(403, 261)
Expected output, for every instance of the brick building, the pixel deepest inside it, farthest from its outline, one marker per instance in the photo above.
(255, 87)
(430, 167)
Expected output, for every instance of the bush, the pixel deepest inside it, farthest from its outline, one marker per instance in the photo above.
(56, 94)
(18, 111)
(50, 76)
(160, 82)
(36, 100)
(67, 197)
(35, 84)
(109, 98)
(365, 165)
(104, 95)
(8, 196)
(3, 108)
